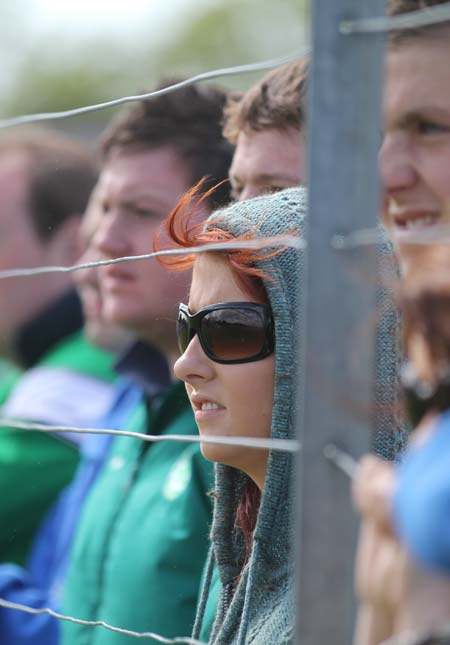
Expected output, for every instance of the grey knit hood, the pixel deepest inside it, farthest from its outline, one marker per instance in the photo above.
(259, 608)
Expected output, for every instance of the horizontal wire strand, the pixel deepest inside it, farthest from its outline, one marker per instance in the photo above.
(204, 76)
(437, 234)
(363, 237)
(339, 242)
(257, 243)
(341, 459)
(412, 20)
(278, 445)
(99, 623)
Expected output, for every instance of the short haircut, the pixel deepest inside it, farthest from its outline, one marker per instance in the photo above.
(61, 175)
(189, 120)
(277, 101)
(398, 7)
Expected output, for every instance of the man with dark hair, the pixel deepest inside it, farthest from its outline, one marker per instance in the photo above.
(185, 120)
(40, 583)
(267, 126)
(45, 181)
(142, 540)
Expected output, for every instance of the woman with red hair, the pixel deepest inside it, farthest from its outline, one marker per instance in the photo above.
(238, 360)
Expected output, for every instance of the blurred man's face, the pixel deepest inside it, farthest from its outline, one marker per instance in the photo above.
(99, 331)
(266, 161)
(415, 155)
(22, 298)
(136, 191)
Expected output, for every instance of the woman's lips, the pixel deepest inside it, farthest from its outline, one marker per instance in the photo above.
(205, 408)
(207, 414)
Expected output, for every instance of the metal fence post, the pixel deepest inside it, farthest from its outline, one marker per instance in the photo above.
(336, 379)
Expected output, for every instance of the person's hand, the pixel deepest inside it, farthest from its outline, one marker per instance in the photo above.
(373, 488)
(380, 560)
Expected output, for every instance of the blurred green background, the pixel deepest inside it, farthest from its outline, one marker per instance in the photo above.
(59, 54)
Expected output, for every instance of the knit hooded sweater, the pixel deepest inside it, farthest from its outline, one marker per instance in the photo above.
(259, 607)
(256, 603)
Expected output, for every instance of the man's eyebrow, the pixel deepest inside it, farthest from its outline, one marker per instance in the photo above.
(412, 116)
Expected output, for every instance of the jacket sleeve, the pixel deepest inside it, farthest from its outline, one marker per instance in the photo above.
(34, 468)
(17, 627)
(422, 499)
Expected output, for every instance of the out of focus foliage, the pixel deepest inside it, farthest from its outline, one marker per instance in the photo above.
(55, 70)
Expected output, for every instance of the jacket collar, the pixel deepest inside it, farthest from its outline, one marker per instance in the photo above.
(144, 365)
(62, 318)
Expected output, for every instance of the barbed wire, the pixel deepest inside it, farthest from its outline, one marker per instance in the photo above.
(99, 623)
(279, 445)
(412, 20)
(256, 243)
(204, 76)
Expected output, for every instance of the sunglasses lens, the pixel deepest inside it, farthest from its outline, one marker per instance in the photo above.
(182, 332)
(234, 334)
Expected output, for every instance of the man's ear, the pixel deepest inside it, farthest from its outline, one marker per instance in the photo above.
(65, 243)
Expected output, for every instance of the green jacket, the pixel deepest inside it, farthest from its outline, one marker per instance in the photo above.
(34, 467)
(143, 536)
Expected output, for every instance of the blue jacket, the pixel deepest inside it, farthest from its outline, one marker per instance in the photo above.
(422, 499)
(40, 585)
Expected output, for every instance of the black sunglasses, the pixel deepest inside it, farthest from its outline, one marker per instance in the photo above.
(229, 332)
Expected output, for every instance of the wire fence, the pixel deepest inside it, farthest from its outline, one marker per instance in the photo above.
(338, 242)
(261, 243)
(98, 623)
(205, 76)
(278, 445)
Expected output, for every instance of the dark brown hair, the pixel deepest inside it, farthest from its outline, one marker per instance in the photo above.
(277, 101)
(61, 175)
(189, 120)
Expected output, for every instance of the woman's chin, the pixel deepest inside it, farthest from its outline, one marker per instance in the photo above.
(217, 453)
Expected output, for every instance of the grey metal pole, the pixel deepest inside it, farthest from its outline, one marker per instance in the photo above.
(336, 379)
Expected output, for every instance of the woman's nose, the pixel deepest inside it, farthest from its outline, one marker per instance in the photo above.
(193, 364)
